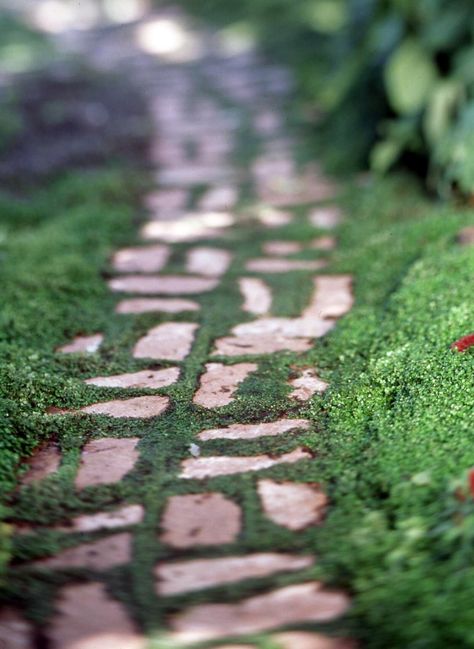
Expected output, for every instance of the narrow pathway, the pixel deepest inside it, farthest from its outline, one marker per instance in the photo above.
(192, 495)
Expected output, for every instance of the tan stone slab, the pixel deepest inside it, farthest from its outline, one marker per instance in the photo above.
(170, 341)
(87, 618)
(137, 407)
(44, 462)
(219, 383)
(332, 297)
(144, 259)
(210, 262)
(254, 431)
(292, 505)
(282, 248)
(256, 294)
(258, 344)
(107, 460)
(273, 218)
(128, 515)
(306, 385)
(159, 305)
(179, 577)
(104, 554)
(165, 284)
(277, 265)
(324, 243)
(151, 379)
(307, 640)
(307, 602)
(193, 226)
(15, 631)
(287, 327)
(465, 236)
(325, 218)
(82, 345)
(200, 519)
(219, 198)
(209, 467)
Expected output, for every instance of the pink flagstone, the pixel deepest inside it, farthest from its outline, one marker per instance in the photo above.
(277, 265)
(156, 304)
(323, 243)
(44, 462)
(127, 515)
(292, 505)
(307, 640)
(325, 218)
(146, 259)
(82, 344)
(257, 295)
(193, 226)
(281, 248)
(164, 284)
(258, 344)
(288, 327)
(104, 554)
(222, 197)
(270, 217)
(465, 236)
(15, 631)
(219, 383)
(107, 460)
(168, 341)
(151, 379)
(166, 202)
(210, 262)
(254, 431)
(306, 385)
(136, 407)
(332, 297)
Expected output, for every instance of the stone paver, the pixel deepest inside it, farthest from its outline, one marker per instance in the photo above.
(165, 284)
(155, 304)
(332, 297)
(169, 341)
(200, 519)
(219, 383)
(325, 218)
(15, 631)
(191, 575)
(128, 515)
(326, 242)
(306, 640)
(139, 407)
(192, 227)
(292, 505)
(211, 262)
(256, 294)
(151, 379)
(99, 555)
(465, 236)
(288, 327)
(254, 431)
(282, 248)
(306, 385)
(277, 265)
(44, 462)
(219, 198)
(270, 217)
(149, 259)
(107, 460)
(258, 344)
(166, 203)
(82, 345)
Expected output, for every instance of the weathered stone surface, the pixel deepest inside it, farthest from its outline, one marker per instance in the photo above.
(253, 431)
(191, 227)
(332, 297)
(15, 631)
(258, 344)
(273, 218)
(257, 295)
(325, 218)
(145, 259)
(306, 385)
(186, 576)
(200, 519)
(170, 341)
(166, 203)
(128, 515)
(44, 462)
(292, 505)
(106, 460)
(211, 262)
(307, 602)
(151, 379)
(139, 407)
(306, 640)
(466, 236)
(219, 198)
(99, 555)
(87, 618)
(282, 248)
(156, 304)
(82, 345)
(219, 383)
(277, 265)
(324, 243)
(210, 467)
(166, 284)
(287, 327)
(195, 174)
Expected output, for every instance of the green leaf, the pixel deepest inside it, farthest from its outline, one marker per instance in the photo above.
(410, 75)
(441, 106)
(384, 155)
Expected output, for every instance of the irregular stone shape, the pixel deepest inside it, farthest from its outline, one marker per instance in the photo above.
(15, 631)
(220, 382)
(170, 341)
(211, 262)
(292, 505)
(82, 345)
(87, 618)
(194, 174)
(306, 640)
(273, 218)
(44, 462)
(200, 519)
(465, 236)
(107, 460)
(253, 431)
(151, 379)
(332, 297)
(137, 407)
(104, 554)
(209, 467)
(277, 265)
(324, 243)
(287, 327)
(156, 304)
(219, 198)
(257, 295)
(149, 259)
(191, 227)
(258, 344)
(166, 203)
(282, 248)
(186, 576)
(325, 218)
(166, 285)
(307, 602)
(128, 515)
(306, 385)
(267, 122)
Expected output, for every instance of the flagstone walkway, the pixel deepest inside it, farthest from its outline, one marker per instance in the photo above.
(182, 511)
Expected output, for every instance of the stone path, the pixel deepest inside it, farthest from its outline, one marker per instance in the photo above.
(189, 527)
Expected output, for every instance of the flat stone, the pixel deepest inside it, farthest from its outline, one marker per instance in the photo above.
(324, 243)
(209, 467)
(151, 379)
(281, 248)
(165, 203)
(170, 341)
(306, 385)
(15, 631)
(332, 297)
(44, 462)
(277, 265)
(292, 505)
(256, 294)
(200, 519)
(267, 122)
(465, 236)
(156, 304)
(273, 218)
(258, 344)
(187, 576)
(219, 383)
(194, 174)
(287, 327)
(82, 345)
(325, 218)
(166, 285)
(128, 515)
(219, 198)
(307, 602)
(104, 554)
(306, 640)
(107, 460)
(210, 262)
(193, 226)
(253, 431)
(137, 407)
(146, 259)
(87, 618)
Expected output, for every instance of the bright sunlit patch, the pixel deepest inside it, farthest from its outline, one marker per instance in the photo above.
(167, 38)
(192, 226)
(56, 16)
(125, 11)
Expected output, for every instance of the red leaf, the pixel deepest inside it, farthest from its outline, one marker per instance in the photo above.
(463, 343)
